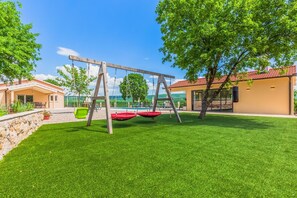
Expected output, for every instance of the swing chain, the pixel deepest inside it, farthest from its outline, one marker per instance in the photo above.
(72, 73)
(114, 82)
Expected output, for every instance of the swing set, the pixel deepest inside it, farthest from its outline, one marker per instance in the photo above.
(102, 77)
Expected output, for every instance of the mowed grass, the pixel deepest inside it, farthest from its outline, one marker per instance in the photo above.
(221, 156)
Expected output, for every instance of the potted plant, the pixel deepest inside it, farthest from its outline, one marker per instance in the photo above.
(46, 115)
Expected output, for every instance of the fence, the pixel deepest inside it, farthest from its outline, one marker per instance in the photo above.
(118, 101)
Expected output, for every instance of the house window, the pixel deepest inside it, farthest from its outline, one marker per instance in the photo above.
(222, 102)
(56, 98)
(25, 98)
(52, 98)
(21, 98)
(29, 98)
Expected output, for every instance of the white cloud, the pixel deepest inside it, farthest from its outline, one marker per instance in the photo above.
(44, 76)
(146, 58)
(66, 51)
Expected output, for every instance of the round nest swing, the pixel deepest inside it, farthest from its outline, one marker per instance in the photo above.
(122, 116)
(149, 114)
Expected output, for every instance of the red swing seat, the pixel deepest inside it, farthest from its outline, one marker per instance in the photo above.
(122, 116)
(149, 114)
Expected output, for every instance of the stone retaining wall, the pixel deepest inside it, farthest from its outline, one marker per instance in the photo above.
(15, 128)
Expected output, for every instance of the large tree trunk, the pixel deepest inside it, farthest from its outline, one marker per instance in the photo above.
(203, 109)
(205, 103)
(210, 76)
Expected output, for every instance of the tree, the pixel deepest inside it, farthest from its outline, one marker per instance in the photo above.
(53, 81)
(219, 38)
(135, 86)
(75, 79)
(19, 50)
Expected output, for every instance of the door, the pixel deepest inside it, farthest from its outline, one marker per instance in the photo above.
(51, 101)
(197, 100)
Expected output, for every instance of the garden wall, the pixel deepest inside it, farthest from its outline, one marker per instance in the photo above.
(16, 127)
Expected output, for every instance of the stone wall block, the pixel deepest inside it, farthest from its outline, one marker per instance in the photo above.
(16, 129)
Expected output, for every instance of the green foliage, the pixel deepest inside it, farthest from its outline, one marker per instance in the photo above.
(221, 156)
(3, 111)
(53, 81)
(134, 86)
(220, 37)
(18, 48)
(29, 106)
(295, 105)
(76, 80)
(18, 106)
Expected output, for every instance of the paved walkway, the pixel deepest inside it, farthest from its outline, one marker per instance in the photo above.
(246, 114)
(66, 115)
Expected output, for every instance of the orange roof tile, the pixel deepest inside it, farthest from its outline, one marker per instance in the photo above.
(36, 80)
(254, 75)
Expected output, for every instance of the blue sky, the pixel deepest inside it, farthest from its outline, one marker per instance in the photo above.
(121, 32)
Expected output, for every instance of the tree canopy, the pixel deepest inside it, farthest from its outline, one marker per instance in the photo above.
(19, 50)
(53, 81)
(134, 86)
(75, 79)
(218, 38)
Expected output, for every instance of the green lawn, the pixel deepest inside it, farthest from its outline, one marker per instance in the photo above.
(221, 156)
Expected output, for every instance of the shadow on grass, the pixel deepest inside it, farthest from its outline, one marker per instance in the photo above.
(118, 125)
(75, 127)
(239, 122)
(147, 121)
(97, 129)
(225, 121)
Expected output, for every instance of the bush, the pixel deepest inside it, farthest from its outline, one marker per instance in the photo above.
(29, 106)
(19, 107)
(3, 111)
(295, 105)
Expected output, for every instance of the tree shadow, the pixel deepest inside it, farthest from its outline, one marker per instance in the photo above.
(118, 125)
(85, 129)
(147, 121)
(228, 121)
(225, 121)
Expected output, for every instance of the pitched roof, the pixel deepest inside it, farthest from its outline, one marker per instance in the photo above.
(254, 75)
(34, 82)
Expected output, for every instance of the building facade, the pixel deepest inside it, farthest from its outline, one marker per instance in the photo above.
(271, 92)
(40, 93)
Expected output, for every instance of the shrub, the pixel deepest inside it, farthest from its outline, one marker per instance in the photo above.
(17, 107)
(29, 106)
(3, 111)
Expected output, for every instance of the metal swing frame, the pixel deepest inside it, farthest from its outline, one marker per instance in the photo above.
(102, 76)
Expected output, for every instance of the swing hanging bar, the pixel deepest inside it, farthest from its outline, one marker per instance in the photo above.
(95, 62)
